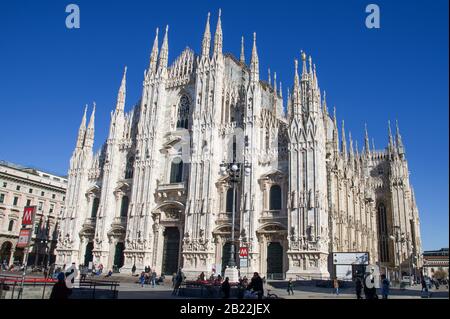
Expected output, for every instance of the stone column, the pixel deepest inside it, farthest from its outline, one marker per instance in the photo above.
(11, 257)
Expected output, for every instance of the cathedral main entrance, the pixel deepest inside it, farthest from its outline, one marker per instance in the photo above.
(88, 254)
(170, 250)
(274, 261)
(118, 256)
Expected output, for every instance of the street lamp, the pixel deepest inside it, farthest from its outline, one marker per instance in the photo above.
(233, 170)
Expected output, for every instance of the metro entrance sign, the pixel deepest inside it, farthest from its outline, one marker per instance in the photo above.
(28, 215)
(243, 252)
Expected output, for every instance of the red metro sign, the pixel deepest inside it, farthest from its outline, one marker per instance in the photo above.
(28, 215)
(243, 252)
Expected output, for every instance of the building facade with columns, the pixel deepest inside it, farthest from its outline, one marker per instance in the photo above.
(157, 193)
(23, 186)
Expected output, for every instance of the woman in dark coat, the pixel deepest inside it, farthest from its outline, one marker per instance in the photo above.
(60, 290)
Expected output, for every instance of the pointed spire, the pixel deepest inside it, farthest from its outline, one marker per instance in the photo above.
(164, 55)
(366, 139)
(92, 119)
(242, 58)
(218, 36)
(122, 92)
(296, 79)
(296, 105)
(391, 143)
(254, 65)
(310, 65)
(351, 144)
(206, 42)
(269, 79)
(304, 70)
(281, 90)
(335, 132)
(373, 144)
(154, 55)
(82, 129)
(275, 83)
(398, 138)
(325, 108)
(90, 130)
(344, 142)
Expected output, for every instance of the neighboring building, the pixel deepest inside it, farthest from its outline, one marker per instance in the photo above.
(434, 260)
(19, 187)
(154, 195)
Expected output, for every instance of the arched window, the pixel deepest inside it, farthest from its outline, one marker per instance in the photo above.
(11, 225)
(95, 204)
(229, 204)
(176, 171)
(129, 168)
(124, 207)
(183, 112)
(383, 233)
(275, 198)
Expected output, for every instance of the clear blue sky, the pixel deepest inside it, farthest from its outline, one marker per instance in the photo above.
(48, 72)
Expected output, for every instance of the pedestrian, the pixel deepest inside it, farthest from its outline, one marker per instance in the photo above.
(133, 270)
(60, 290)
(178, 281)
(385, 286)
(290, 287)
(336, 286)
(257, 285)
(153, 278)
(174, 278)
(424, 283)
(358, 286)
(226, 288)
(142, 279)
(202, 276)
(109, 274)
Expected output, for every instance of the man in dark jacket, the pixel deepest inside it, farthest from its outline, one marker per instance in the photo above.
(358, 286)
(226, 288)
(257, 285)
(60, 290)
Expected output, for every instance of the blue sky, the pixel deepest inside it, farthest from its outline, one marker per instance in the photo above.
(400, 71)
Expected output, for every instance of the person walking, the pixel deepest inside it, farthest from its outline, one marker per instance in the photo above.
(60, 290)
(290, 287)
(133, 270)
(257, 285)
(336, 286)
(358, 286)
(226, 288)
(153, 278)
(178, 281)
(142, 279)
(385, 286)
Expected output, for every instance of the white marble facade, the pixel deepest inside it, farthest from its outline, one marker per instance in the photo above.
(154, 195)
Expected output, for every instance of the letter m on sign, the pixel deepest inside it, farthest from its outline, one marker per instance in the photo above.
(28, 215)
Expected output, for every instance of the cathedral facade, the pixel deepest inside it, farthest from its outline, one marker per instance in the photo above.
(162, 191)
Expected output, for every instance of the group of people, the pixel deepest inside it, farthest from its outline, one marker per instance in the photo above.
(148, 276)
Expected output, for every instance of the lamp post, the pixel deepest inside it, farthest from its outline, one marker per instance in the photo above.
(398, 239)
(233, 170)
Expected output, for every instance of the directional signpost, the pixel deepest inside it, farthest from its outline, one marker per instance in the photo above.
(25, 234)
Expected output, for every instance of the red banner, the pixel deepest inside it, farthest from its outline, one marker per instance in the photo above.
(24, 238)
(28, 215)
